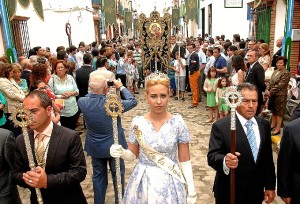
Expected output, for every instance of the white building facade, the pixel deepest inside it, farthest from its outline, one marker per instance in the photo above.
(217, 20)
(52, 31)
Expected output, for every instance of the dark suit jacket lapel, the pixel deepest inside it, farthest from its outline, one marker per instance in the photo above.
(53, 144)
(242, 138)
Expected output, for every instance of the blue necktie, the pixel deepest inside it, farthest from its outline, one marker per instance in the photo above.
(251, 138)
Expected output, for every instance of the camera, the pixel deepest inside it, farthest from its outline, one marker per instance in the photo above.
(110, 83)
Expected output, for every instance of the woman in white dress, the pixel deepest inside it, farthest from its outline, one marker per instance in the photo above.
(239, 67)
(157, 138)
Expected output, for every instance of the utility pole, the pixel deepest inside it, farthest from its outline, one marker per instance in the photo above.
(287, 40)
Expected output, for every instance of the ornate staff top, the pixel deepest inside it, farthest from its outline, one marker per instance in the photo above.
(21, 117)
(233, 99)
(113, 106)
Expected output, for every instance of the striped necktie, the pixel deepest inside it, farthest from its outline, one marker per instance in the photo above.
(40, 150)
(251, 138)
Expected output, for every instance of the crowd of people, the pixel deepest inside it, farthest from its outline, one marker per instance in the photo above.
(58, 88)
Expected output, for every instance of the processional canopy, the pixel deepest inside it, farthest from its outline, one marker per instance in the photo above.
(155, 33)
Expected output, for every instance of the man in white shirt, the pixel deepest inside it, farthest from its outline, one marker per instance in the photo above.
(210, 60)
(180, 75)
(202, 61)
(253, 160)
(79, 55)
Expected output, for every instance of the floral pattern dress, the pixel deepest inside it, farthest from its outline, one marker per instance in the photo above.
(149, 184)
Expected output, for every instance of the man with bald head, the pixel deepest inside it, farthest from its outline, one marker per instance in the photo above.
(99, 132)
(278, 53)
(26, 65)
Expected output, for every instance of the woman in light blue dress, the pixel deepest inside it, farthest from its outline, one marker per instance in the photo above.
(158, 138)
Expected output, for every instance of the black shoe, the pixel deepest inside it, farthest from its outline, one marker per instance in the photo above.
(183, 99)
(176, 98)
(136, 92)
(192, 106)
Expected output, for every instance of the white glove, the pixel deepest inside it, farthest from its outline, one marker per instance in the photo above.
(118, 151)
(188, 175)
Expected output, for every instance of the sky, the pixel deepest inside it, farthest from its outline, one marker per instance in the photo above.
(147, 6)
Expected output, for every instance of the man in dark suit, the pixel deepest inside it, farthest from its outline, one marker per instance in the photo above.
(8, 192)
(278, 52)
(253, 161)
(100, 136)
(288, 164)
(58, 155)
(256, 75)
(173, 46)
(83, 74)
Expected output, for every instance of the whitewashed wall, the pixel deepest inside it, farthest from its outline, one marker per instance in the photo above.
(51, 32)
(1, 45)
(280, 21)
(227, 21)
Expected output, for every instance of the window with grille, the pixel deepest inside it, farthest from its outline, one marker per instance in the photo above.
(210, 19)
(20, 35)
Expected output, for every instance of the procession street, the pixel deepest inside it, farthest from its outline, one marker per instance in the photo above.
(199, 131)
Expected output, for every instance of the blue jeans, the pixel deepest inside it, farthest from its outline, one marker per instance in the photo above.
(100, 178)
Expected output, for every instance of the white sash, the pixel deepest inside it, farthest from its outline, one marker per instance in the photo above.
(160, 160)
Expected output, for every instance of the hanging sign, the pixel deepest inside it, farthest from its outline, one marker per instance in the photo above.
(233, 3)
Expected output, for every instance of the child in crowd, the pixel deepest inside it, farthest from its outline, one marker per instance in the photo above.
(223, 83)
(210, 86)
(137, 56)
(147, 72)
(136, 76)
(171, 75)
(130, 70)
(180, 75)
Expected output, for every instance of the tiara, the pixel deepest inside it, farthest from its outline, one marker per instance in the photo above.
(156, 76)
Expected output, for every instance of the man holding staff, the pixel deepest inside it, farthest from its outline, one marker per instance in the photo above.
(100, 132)
(58, 154)
(253, 161)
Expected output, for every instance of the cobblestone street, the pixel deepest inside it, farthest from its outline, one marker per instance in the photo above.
(199, 131)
